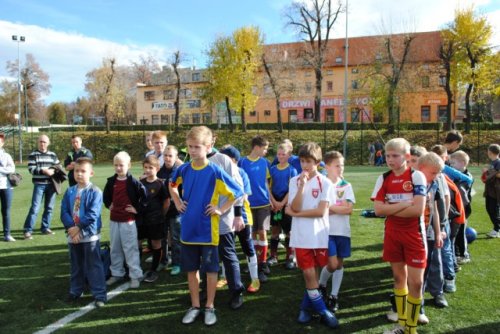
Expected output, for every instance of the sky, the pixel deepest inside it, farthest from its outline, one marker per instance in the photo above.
(70, 38)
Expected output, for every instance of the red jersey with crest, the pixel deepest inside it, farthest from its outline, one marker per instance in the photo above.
(401, 188)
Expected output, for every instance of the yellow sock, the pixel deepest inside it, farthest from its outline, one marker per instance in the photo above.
(400, 296)
(413, 310)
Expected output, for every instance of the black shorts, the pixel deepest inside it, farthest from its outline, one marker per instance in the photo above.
(153, 231)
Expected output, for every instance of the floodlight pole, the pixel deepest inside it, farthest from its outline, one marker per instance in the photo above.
(19, 39)
(346, 63)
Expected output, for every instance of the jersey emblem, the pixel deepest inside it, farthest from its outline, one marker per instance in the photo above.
(407, 186)
(315, 193)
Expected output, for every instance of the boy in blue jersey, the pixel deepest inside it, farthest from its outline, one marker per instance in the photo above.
(202, 184)
(339, 240)
(280, 179)
(257, 169)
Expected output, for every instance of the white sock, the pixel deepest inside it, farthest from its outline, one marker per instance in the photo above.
(253, 267)
(324, 276)
(336, 281)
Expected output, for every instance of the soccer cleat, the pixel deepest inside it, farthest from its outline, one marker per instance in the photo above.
(440, 301)
(396, 330)
(254, 286)
(265, 268)
(191, 315)
(236, 301)
(290, 264)
(150, 277)
(134, 283)
(332, 304)
(272, 261)
(463, 259)
(48, 232)
(176, 270)
(113, 279)
(28, 236)
(324, 293)
(304, 317)
(210, 317)
(161, 267)
(449, 285)
(149, 259)
(493, 234)
(99, 303)
(262, 277)
(9, 238)
(422, 319)
(329, 319)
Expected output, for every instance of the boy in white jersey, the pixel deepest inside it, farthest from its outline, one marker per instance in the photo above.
(308, 202)
(339, 242)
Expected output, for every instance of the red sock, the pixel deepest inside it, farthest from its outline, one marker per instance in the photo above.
(263, 253)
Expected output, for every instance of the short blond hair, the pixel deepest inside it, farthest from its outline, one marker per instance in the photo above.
(201, 134)
(171, 148)
(398, 144)
(460, 156)
(430, 159)
(285, 147)
(122, 156)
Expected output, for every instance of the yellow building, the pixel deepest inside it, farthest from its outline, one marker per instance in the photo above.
(421, 97)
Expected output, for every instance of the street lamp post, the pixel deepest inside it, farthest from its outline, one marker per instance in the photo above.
(19, 39)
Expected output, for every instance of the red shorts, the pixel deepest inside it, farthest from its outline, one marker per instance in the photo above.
(311, 258)
(405, 246)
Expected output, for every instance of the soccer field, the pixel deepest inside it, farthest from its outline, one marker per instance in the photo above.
(34, 282)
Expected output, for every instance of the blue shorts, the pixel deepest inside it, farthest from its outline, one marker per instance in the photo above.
(199, 257)
(339, 246)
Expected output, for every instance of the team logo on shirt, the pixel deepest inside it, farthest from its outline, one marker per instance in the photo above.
(340, 193)
(315, 193)
(407, 186)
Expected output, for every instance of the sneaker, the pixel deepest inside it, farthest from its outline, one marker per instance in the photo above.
(148, 259)
(332, 304)
(440, 301)
(272, 261)
(449, 285)
(134, 283)
(304, 317)
(493, 234)
(210, 317)
(392, 316)
(151, 276)
(191, 315)
(422, 319)
(329, 319)
(254, 286)
(221, 283)
(48, 232)
(265, 268)
(9, 238)
(262, 277)
(290, 264)
(161, 267)
(28, 236)
(463, 259)
(176, 270)
(236, 301)
(99, 303)
(113, 279)
(396, 330)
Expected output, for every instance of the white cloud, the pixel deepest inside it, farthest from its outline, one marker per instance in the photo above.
(66, 56)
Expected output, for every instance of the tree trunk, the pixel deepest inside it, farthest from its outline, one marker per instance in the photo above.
(177, 93)
(468, 114)
(317, 97)
(392, 112)
(280, 120)
(243, 121)
(229, 118)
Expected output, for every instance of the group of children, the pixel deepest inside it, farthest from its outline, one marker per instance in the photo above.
(203, 204)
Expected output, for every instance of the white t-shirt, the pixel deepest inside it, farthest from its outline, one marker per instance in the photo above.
(310, 233)
(339, 224)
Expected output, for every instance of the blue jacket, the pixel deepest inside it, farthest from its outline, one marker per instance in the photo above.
(90, 209)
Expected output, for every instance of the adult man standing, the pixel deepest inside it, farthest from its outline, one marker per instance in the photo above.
(78, 151)
(41, 164)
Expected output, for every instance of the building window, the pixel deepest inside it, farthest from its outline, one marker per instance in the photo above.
(442, 114)
(308, 115)
(193, 104)
(207, 118)
(267, 112)
(329, 86)
(196, 118)
(354, 84)
(338, 60)
(164, 119)
(149, 95)
(292, 116)
(378, 56)
(355, 70)
(330, 115)
(253, 113)
(200, 92)
(355, 115)
(425, 113)
(329, 72)
(267, 89)
(308, 87)
(442, 81)
(186, 93)
(144, 121)
(168, 94)
(155, 119)
(196, 76)
(308, 74)
(425, 81)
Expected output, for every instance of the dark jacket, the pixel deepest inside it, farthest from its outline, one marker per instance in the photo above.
(72, 157)
(135, 191)
(58, 178)
(165, 173)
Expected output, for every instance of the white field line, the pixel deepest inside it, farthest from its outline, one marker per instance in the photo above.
(82, 311)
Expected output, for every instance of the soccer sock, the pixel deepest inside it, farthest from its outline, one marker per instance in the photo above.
(305, 305)
(400, 296)
(164, 252)
(253, 267)
(274, 247)
(316, 300)
(258, 248)
(337, 281)
(288, 248)
(263, 253)
(324, 276)
(156, 259)
(413, 310)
